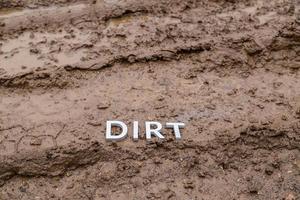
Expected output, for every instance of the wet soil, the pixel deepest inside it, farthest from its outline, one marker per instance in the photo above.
(228, 69)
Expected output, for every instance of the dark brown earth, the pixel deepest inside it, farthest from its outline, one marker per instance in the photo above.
(228, 69)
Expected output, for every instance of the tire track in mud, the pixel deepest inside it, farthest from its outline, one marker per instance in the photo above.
(55, 74)
(55, 77)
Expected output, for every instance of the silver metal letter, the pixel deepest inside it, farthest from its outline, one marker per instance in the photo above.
(176, 128)
(155, 131)
(119, 137)
(135, 130)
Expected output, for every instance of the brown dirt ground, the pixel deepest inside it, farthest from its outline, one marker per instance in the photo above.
(229, 69)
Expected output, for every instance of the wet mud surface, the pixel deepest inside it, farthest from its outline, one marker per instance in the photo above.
(228, 69)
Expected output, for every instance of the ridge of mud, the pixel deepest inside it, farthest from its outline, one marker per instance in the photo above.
(248, 54)
(101, 13)
(51, 162)
(98, 13)
(57, 161)
(55, 78)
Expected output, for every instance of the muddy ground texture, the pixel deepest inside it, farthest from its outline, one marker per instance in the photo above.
(229, 69)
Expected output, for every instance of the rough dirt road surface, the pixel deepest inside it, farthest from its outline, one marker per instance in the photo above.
(229, 69)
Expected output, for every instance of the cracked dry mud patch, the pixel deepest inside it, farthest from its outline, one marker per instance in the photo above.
(228, 69)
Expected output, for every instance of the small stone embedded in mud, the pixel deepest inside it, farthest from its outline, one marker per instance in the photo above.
(36, 142)
(253, 120)
(70, 186)
(95, 123)
(210, 106)
(32, 6)
(252, 47)
(103, 105)
(290, 197)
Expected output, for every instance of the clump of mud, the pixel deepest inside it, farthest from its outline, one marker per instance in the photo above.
(228, 69)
